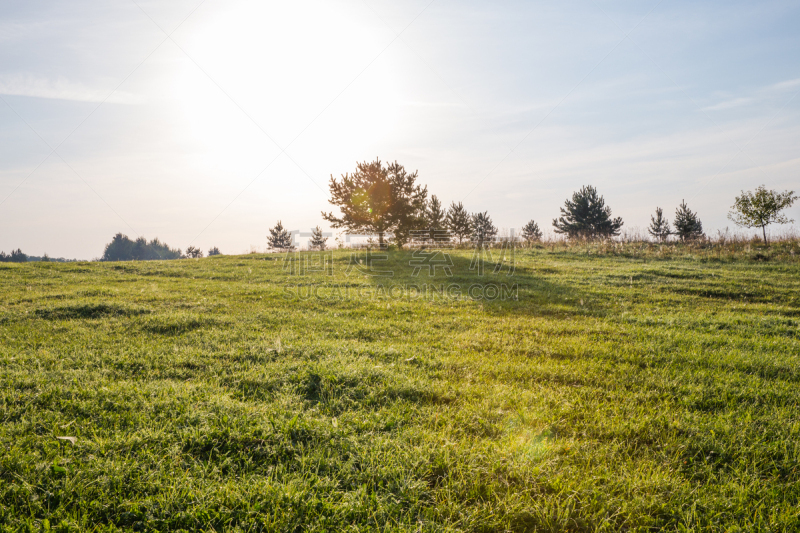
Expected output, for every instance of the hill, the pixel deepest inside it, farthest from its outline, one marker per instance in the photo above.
(572, 392)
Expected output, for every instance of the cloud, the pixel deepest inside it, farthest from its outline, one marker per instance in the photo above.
(61, 89)
(786, 85)
(728, 104)
(765, 92)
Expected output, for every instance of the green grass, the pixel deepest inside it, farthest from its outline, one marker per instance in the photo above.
(616, 393)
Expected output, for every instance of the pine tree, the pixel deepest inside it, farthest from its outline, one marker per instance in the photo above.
(317, 239)
(687, 223)
(659, 226)
(531, 232)
(762, 208)
(435, 217)
(587, 217)
(214, 251)
(482, 229)
(378, 199)
(194, 252)
(279, 238)
(458, 222)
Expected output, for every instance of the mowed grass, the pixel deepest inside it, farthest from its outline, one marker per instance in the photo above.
(613, 394)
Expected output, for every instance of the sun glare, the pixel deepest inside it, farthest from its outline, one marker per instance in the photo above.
(292, 73)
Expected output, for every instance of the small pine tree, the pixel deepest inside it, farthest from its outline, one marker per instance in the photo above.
(659, 226)
(194, 252)
(531, 232)
(435, 217)
(279, 238)
(587, 216)
(214, 251)
(687, 223)
(482, 229)
(317, 239)
(459, 222)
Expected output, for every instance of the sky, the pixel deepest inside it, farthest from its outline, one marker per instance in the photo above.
(204, 122)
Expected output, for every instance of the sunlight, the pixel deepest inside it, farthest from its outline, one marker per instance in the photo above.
(281, 66)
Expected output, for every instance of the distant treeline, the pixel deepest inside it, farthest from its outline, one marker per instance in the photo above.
(121, 248)
(16, 256)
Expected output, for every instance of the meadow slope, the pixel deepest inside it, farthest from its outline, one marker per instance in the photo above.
(604, 393)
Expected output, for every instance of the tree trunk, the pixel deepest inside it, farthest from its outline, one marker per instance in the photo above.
(380, 240)
(764, 229)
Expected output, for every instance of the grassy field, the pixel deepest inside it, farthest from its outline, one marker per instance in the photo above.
(611, 390)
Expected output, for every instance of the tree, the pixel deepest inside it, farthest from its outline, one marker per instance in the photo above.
(586, 216)
(435, 217)
(459, 222)
(16, 256)
(157, 250)
(482, 229)
(214, 251)
(279, 238)
(762, 208)
(121, 248)
(531, 232)
(317, 239)
(687, 224)
(378, 199)
(194, 252)
(659, 226)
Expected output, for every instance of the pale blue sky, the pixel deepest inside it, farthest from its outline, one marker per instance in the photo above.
(239, 117)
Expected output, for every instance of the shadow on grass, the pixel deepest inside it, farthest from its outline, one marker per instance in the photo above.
(88, 311)
(499, 286)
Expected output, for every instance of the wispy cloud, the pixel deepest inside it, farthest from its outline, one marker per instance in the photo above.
(728, 104)
(786, 85)
(759, 95)
(61, 89)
